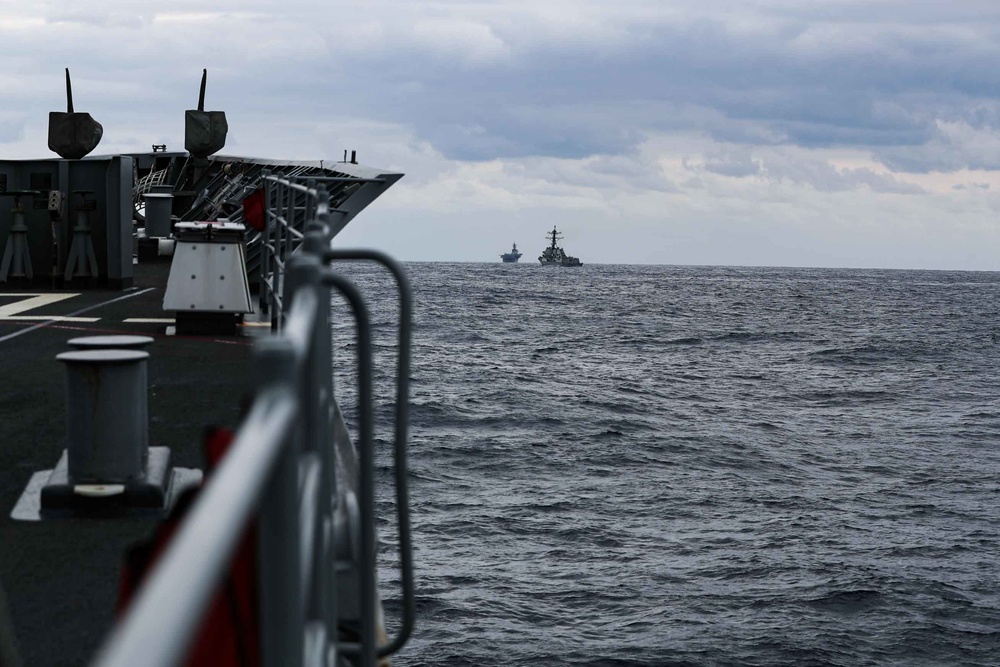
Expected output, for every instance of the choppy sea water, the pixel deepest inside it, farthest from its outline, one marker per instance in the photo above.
(639, 465)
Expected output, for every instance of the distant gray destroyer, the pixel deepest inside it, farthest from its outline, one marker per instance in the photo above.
(554, 255)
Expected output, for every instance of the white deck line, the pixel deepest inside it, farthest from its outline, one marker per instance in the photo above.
(74, 314)
(52, 318)
(149, 320)
(33, 301)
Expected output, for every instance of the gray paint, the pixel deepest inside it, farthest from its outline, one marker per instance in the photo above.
(110, 179)
(107, 417)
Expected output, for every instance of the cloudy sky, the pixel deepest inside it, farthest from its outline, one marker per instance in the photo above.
(781, 132)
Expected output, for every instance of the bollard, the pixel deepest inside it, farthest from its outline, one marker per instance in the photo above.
(116, 342)
(106, 415)
(121, 342)
(108, 465)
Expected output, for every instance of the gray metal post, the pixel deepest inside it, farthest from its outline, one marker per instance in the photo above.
(106, 415)
(402, 420)
(314, 245)
(301, 292)
(266, 269)
(280, 246)
(367, 648)
(302, 274)
(309, 214)
(282, 619)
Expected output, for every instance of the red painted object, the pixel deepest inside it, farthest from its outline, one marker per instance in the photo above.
(229, 633)
(253, 210)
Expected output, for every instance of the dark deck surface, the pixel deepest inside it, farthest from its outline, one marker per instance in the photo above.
(61, 576)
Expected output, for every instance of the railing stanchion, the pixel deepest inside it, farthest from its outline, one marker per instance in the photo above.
(282, 618)
(399, 449)
(366, 469)
(266, 267)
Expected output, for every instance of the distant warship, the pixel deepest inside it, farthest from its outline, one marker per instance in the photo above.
(512, 256)
(554, 255)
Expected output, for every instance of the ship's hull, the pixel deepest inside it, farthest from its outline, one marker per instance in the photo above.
(560, 263)
(509, 260)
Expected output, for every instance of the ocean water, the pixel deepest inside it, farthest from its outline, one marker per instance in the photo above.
(639, 465)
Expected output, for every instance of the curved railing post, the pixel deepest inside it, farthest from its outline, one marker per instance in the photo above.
(366, 463)
(399, 450)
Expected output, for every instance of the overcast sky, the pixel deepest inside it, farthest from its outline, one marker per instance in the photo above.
(791, 133)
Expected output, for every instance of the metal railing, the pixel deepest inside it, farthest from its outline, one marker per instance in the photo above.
(291, 202)
(293, 468)
(288, 207)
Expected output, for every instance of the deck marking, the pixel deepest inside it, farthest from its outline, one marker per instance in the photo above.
(227, 342)
(41, 325)
(149, 320)
(53, 318)
(256, 324)
(96, 330)
(33, 301)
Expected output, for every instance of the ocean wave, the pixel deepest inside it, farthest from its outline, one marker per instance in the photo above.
(698, 465)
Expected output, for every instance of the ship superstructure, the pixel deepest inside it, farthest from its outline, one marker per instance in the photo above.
(554, 255)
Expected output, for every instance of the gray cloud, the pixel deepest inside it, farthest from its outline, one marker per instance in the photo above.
(11, 130)
(90, 16)
(951, 146)
(778, 165)
(814, 79)
(824, 177)
(737, 166)
(487, 80)
(876, 182)
(633, 173)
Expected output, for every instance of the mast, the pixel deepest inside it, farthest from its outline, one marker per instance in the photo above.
(555, 236)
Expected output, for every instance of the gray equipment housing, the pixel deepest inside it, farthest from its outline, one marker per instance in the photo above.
(207, 286)
(73, 134)
(159, 208)
(204, 131)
